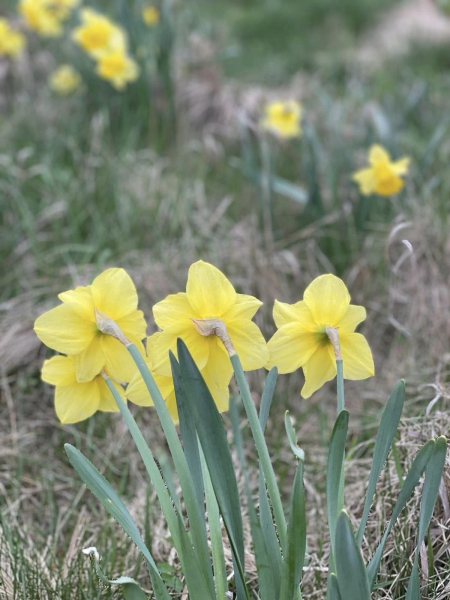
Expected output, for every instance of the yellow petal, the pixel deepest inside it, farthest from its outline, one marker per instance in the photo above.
(328, 299)
(197, 344)
(114, 293)
(63, 330)
(138, 393)
(378, 154)
(249, 343)
(356, 356)
(290, 313)
(77, 402)
(400, 167)
(353, 317)
(217, 374)
(319, 369)
(209, 292)
(173, 310)
(245, 307)
(291, 347)
(365, 178)
(107, 402)
(58, 371)
(387, 186)
(81, 301)
(133, 326)
(88, 364)
(118, 361)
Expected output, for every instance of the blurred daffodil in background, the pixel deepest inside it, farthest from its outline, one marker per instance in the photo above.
(62, 9)
(283, 118)
(150, 15)
(209, 297)
(383, 176)
(64, 80)
(302, 341)
(71, 328)
(40, 17)
(97, 35)
(118, 68)
(12, 41)
(74, 400)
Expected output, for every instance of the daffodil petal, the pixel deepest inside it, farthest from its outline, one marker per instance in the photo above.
(319, 369)
(401, 166)
(218, 371)
(245, 307)
(58, 371)
(378, 154)
(107, 401)
(292, 313)
(76, 402)
(197, 344)
(133, 326)
(249, 343)
(88, 364)
(389, 186)
(356, 356)
(209, 292)
(81, 301)
(169, 311)
(63, 330)
(366, 180)
(328, 299)
(119, 363)
(291, 347)
(114, 293)
(353, 317)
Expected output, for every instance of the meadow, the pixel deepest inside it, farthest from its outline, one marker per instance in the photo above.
(175, 168)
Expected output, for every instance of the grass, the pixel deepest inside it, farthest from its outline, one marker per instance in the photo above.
(91, 181)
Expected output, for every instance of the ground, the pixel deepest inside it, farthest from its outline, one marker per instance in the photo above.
(101, 179)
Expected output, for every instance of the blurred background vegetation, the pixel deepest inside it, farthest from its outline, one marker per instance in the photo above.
(174, 169)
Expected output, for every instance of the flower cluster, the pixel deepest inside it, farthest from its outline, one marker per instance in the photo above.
(12, 41)
(46, 17)
(212, 319)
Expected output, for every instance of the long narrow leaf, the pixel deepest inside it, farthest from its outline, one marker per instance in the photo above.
(267, 397)
(335, 467)
(333, 588)
(351, 572)
(386, 432)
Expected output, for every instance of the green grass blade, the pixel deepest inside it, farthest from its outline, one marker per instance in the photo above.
(335, 467)
(433, 475)
(412, 479)
(292, 438)
(385, 436)
(269, 573)
(333, 588)
(296, 540)
(213, 438)
(104, 492)
(267, 397)
(351, 572)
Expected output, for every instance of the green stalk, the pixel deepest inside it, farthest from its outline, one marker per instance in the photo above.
(263, 452)
(340, 385)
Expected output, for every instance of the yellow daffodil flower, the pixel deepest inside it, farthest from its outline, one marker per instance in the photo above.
(301, 340)
(117, 68)
(98, 35)
(71, 327)
(283, 118)
(383, 177)
(138, 393)
(12, 42)
(62, 9)
(76, 401)
(150, 15)
(64, 80)
(39, 17)
(209, 295)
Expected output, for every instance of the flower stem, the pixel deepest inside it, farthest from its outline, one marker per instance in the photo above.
(340, 386)
(263, 452)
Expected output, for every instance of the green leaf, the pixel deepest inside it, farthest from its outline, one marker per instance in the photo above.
(433, 476)
(267, 396)
(296, 540)
(385, 436)
(351, 572)
(335, 467)
(333, 588)
(412, 479)
(292, 438)
(213, 439)
(131, 589)
(103, 491)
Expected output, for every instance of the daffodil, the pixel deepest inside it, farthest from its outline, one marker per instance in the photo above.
(64, 80)
(117, 68)
(71, 328)
(138, 393)
(12, 42)
(98, 35)
(62, 9)
(150, 15)
(209, 295)
(76, 401)
(383, 177)
(302, 341)
(39, 17)
(283, 118)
